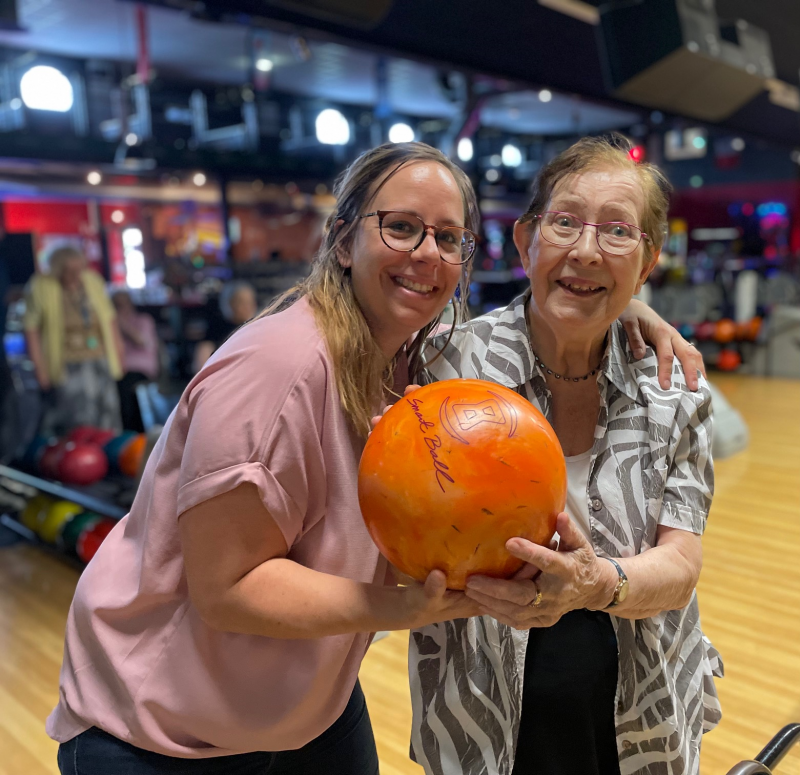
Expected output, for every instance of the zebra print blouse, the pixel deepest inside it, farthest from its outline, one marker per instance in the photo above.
(651, 465)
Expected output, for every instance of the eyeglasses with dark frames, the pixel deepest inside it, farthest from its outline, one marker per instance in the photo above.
(405, 232)
(616, 238)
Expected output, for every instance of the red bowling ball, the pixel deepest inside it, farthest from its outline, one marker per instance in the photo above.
(50, 460)
(82, 463)
(82, 434)
(90, 539)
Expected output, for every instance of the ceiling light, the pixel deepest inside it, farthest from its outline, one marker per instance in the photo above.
(737, 144)
(131, 138)
(465, 149)
(332, 127)
(118, 216)
(401, 133)
(199, 179)
(264, 65)
(492, 175)
(545, 95)
(94, 178)
(45, 88)
(511, 156)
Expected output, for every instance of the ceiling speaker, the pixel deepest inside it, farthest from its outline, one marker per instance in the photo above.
(671, 55)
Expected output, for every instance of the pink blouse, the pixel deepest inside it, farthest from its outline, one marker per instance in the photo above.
(139, 662)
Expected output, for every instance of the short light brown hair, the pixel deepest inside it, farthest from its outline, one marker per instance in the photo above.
(608, 151)
(60, 256)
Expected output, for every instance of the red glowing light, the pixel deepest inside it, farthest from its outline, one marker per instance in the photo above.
(637, 153)
(748, 209)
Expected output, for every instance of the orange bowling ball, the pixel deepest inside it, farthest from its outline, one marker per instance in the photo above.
(131, 456)
(725, 331)
(455, 469)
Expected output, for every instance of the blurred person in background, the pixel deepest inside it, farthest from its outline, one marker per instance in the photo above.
(75, 345)
(237, 305)
(139, 356)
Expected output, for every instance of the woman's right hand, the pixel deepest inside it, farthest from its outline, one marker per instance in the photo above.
(433, 602)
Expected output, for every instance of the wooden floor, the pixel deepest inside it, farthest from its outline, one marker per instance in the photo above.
(749, 602)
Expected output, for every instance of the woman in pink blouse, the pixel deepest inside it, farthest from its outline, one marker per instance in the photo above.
(221, 625)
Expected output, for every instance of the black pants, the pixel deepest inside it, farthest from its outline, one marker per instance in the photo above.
(347, 747)
(128, 403)
(567, 724)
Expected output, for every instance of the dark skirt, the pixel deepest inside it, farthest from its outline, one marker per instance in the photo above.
(568, 700)
(87, 395)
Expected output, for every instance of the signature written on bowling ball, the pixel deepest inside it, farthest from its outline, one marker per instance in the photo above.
(433, 443)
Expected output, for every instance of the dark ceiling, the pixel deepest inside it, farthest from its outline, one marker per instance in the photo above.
(524, 41)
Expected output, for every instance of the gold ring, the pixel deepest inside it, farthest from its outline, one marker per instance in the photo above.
(537, 601)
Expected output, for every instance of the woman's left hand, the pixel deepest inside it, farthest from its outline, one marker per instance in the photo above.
(572, 577)
(642, 325)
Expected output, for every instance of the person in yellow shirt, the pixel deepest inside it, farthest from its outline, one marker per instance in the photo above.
(75, 345)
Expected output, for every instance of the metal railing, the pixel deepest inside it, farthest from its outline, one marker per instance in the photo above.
(772, 754)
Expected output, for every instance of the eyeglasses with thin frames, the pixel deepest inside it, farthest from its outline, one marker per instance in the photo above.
(405, 232)
(616, 238)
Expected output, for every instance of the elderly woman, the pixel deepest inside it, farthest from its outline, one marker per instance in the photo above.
(237, 305)
(75, 345)
(591, 660)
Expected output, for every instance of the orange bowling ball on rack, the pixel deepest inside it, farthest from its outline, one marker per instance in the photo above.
(131, 456)
(455, 469)
(725, 331)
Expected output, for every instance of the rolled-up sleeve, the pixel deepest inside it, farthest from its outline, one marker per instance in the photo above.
(690, 478)
(247, 426)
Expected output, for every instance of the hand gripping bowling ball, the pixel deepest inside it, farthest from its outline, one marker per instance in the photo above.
(82, 463)
(455, 469)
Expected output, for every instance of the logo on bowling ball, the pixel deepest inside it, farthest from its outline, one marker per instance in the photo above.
(466, 416)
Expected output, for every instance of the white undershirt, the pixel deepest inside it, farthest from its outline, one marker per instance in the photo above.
(577, 483)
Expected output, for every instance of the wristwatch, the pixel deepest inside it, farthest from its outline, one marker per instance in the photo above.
(621, 590)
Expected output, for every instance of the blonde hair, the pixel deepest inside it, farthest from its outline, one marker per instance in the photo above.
(609, 151)
(363, 373)
(60, 256)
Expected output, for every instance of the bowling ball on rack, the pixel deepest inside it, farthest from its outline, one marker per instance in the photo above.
(67, 539)
(35, 511)
(56, 516)
(114, 447)
(92, 537)
(728, 360)
(705, 331)
(102, 436)
(82, 433)
(725, 331)
(82, 463)
(50, 458)
(686, 330)
(455, 469)
(749, 330)
(130, 458)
